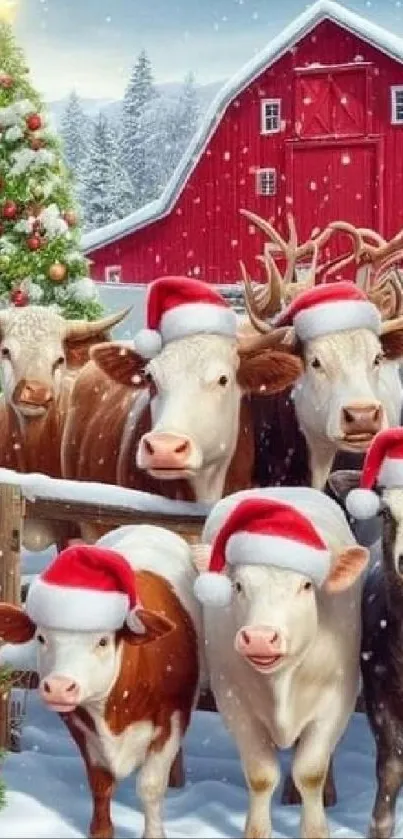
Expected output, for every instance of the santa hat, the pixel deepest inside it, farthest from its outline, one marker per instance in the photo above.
(262, 532)
(181, 306)
(332, 307)
(383, 464)
(87, 589)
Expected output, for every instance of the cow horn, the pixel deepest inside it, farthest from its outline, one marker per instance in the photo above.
(283, 336)
(392, 325)
(77, 330)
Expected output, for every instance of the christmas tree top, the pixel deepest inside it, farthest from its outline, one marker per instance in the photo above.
(40, 257)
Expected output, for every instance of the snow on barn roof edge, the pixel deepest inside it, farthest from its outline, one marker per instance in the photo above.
(321, 10)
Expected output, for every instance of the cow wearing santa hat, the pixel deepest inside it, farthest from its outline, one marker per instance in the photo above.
(116, 634)
(172, 415)
(349, 390)
(281, 595)
(374, 497)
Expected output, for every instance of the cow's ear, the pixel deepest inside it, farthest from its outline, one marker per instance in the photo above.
(346, 569)
(341, 482)
(15, 625)
(200, 555)
(155, 627)
(392, 345)
(268, 371)
(78, 352)
(121, 363)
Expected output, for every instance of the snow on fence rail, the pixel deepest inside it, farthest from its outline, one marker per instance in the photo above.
(36, 496)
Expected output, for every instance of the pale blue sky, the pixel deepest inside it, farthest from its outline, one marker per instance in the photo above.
(91, 44)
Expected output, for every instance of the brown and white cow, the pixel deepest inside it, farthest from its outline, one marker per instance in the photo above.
(126, 698)
(40, 356)
(284, 658)
(180, 424)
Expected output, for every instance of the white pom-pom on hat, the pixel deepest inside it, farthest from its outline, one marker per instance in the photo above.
(362, 503)
(148, 343)
(213, 589)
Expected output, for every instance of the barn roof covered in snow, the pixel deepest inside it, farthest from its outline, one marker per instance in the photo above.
(322, 10)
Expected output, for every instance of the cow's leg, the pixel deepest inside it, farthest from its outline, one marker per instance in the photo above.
(262, 774)
(153, 779)
(102, 785)
(291, 795)
(389, 772)
(309, 770)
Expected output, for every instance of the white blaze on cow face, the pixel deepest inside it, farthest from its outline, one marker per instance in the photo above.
(32, 359)
(348, 392)
(195, 410)
(394, 501)
(75, 668)
(275, 616)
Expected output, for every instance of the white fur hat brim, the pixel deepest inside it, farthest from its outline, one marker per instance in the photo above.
(213, 589)
(362, 503)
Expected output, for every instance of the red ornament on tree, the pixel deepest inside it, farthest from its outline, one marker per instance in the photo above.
(70, 218)
(19, 297)
(6, 80)
(33, 243)
(33, 122)
(9, 210)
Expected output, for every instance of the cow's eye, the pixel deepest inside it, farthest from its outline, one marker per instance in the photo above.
(378, 359)
(40, 638)
(315, 363)
(149, 378)
(223, 380)
(306, 586)
(103, 642)
(59, 361)
(5, 352)
(237, 587)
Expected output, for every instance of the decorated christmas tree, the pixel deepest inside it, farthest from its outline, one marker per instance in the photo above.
(40, 258)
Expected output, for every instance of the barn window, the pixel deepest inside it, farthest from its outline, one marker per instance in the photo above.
(397, 105)
(113, 273)
(270, 116)
(266, 182)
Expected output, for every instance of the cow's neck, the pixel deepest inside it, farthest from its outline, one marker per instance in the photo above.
(321, 456)
(33, 444)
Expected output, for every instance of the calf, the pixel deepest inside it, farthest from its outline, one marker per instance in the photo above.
(382, 614)
(123, 679)
(284, 655)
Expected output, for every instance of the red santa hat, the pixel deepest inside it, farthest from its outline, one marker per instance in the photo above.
(383, 464)
(181, 306)
(331, 307)
(87, 589)
(262, 532)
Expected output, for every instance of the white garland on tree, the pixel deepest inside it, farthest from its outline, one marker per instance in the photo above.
(51, 219)
(13, 134)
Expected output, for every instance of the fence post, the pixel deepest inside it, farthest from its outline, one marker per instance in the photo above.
(11, 523)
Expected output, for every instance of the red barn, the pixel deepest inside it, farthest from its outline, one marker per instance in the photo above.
(313, 124)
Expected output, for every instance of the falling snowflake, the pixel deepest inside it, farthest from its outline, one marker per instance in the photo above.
(313, 186)
(307, 100)
(227, 155)
(345, 159)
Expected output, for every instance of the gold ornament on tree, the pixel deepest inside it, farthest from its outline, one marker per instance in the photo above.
(57, 272)
(8, 10)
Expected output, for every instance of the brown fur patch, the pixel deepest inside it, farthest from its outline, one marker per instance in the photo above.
(392, 345)
(120, 363)
(268, 371)
(312, 780)
(259, 783)
(15, 625)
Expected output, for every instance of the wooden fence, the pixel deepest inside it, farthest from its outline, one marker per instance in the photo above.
(22, 498)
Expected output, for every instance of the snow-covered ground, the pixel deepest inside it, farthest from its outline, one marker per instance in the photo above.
(47, 791)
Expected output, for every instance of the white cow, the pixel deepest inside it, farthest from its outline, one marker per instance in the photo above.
(283, 659)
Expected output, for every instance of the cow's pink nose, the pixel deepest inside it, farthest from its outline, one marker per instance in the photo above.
(60, 691)
(258, 641)
(161, 450)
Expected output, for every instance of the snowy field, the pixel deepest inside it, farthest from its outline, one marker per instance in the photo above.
(47, 791)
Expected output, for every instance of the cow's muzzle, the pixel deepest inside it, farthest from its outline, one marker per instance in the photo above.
(360, 421)
(166, 454)
(32, 398)
(60, 693)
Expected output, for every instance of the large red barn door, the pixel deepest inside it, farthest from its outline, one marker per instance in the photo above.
(329, 181)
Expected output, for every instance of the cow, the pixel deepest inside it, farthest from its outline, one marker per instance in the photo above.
(41, 354)
(179, 424)
(125, 690)
(382, 614)
(283, 656)
(350, 388)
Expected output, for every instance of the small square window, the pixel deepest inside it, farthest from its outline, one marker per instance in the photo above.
(266, 182)
(270, 116)
(397, 105)
(113, 274)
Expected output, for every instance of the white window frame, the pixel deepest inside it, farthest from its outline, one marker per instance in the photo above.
(110, 270)
(395, 89)
(263, 105)
(269, 171)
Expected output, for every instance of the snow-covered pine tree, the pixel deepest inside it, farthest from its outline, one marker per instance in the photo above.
(5, 684)
(106, 193)
(139, 93)
(75, 131)
(185, 119)
(154, 137)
